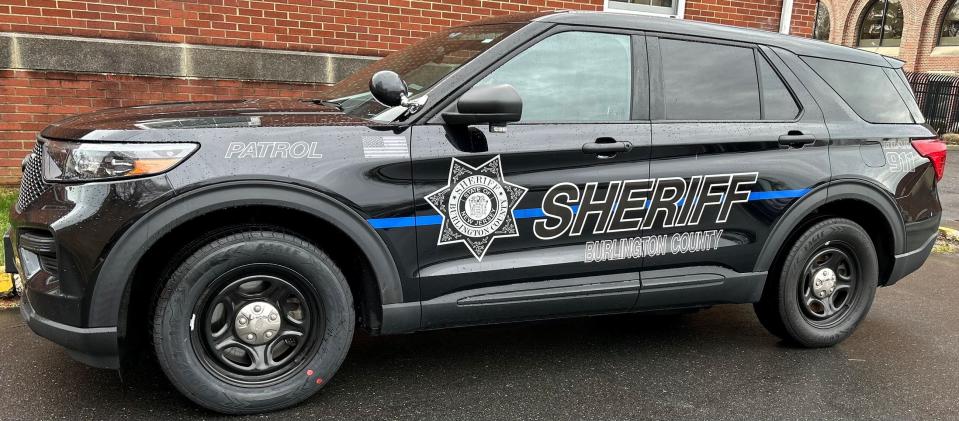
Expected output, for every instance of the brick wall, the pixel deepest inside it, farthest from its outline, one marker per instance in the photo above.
(751, 14)
(923, 19)
(372, 27)
(29, 100)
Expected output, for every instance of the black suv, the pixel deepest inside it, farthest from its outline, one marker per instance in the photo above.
(523, 167)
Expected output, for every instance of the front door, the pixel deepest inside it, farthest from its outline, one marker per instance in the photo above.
(504, 219)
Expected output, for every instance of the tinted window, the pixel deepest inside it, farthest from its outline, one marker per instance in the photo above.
(865, 88)
(571, 76)
(778, 103)
(709, 81)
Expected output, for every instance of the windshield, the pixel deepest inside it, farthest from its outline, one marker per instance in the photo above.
(420, 65)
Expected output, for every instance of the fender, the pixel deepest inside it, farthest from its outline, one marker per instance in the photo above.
(113, 282)
(855, 189)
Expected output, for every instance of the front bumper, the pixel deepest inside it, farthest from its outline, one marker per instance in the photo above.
(97, 346)
(58, 238)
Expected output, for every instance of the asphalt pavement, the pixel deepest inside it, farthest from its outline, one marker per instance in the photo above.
(902, 363)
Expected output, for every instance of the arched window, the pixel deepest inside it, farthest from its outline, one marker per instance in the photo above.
(820, 29)
(950, 26)
(881, 24)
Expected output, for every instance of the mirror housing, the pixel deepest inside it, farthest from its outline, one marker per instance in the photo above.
(388, 88)
(495, 104)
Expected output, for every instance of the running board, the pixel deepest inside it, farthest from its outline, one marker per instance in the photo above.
(533, 300)
(698, 286)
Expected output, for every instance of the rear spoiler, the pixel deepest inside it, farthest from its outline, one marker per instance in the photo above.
(894, 63)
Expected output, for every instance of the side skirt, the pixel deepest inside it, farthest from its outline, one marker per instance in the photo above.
(606, 294)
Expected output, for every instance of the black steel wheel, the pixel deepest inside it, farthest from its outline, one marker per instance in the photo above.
(254, 321)
(824, 286)
(829, 285)
(257, 324)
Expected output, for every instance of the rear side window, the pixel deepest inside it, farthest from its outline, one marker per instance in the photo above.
(703, 81)
(867, 89)
(778, 102)
(570, 77)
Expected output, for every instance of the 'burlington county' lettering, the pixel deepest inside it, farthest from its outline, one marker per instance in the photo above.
(652, 245)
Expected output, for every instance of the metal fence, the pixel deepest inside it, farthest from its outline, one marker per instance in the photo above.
(938, 98)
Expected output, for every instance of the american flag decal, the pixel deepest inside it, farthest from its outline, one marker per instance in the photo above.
(385, 147)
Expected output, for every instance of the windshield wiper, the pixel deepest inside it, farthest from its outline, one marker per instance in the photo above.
(329, 103)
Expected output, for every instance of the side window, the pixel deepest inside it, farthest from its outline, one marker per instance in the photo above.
(703, 81)
(571, 76)
(867, 89)
(778, 103)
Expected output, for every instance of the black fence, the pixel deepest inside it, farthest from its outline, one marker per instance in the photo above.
(938, 98)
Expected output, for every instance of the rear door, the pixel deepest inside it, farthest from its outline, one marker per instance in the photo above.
(736, 141)
(488, 246)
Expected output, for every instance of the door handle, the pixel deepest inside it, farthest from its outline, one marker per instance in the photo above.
(606, 146)
(796, 139)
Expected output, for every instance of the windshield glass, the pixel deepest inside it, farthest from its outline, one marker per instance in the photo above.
(420, 65)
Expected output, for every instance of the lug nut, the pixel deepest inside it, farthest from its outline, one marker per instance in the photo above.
(242, 320)
(250, 336)
(257, 308)
(269, 334)
(273, 316)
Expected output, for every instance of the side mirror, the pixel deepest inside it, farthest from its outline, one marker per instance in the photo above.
(388, 88)
(496, 105)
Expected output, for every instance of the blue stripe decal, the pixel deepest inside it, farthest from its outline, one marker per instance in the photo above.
(427, 220)
(777, 194)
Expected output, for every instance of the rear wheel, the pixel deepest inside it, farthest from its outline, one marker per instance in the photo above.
(254, 321)
(826, 286)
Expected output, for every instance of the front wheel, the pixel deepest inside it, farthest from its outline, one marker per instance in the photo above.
(254, 321)
(826, 286)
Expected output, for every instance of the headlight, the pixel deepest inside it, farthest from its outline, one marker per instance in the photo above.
(78, 161)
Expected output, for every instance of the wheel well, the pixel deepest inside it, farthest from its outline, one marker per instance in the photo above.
(862, 213)
(164, 255)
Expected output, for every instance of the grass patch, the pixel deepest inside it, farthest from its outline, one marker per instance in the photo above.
(8, 196)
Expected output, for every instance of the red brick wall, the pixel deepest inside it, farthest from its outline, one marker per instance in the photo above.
(29, 101)
(757, 14)
(920, 31)
(368, 27)
(804, 13)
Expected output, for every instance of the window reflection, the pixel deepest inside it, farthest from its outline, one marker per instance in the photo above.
(571, 76)
(881, 24)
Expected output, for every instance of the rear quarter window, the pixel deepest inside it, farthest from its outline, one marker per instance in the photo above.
(867, 89)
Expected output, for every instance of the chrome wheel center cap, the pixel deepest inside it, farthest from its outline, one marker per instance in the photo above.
(257, 323)
(824, 283)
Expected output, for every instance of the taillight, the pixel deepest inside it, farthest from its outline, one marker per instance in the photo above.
(935, 150)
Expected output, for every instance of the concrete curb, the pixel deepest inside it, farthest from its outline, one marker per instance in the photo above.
(949, 233)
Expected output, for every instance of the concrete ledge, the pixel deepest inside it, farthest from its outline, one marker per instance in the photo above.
(946, 51)
(94, 55)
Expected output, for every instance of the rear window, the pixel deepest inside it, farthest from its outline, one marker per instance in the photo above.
(867, 89)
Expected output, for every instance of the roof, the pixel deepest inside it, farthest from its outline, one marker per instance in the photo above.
(661, 24)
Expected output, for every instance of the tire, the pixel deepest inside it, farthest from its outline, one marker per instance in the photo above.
(254, 321)
(825, 288)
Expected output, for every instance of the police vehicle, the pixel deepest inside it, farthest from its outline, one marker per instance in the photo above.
(522, 167)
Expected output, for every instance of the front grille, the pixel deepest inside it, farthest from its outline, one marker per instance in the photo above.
(32, 184)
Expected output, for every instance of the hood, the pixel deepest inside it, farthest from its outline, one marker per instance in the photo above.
(119, 124)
